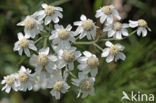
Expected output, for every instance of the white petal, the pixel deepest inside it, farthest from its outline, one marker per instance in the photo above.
(116, 14)
(69, 27)
(20, 23)
(144, 32)
(44, 5)
(27, 52)
(32, 46)
(71, 66)
(133, 24)
(47, 20)
(124, 32)
(94, 72)
(111, 33)
(120, 46)
(44, 51)
(110, 19)
(83, 17)
(109, 58)
(103, 18)
(33, 60)
(52, 58)
(139, 30)
(105, 52)
(20, 36)
(87, 53)
(108, 44)
(122, 56)
(58, 8)
(118, 35)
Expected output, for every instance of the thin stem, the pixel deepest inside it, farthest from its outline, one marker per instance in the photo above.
(70, 72)
(38, 40)
(120, 39)
(45, 43)
(98, 46)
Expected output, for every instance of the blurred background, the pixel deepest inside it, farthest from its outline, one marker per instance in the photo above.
(136, 73)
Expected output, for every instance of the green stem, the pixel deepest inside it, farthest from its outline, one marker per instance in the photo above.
(70, 72)
(97, 46)
(38, 40)
(45, 43)
(111, 39)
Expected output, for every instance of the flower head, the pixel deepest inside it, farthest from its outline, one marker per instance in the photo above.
(106, 14)
(86, 27)
(88, 63)
(50, 13)
(58, 86)
(85, 85)
(116, 30)
(43, 62)
(10, 82)
(66, 57)
(62, 36)
(24, 44)
(32, 26)
(25, 79)
(113, 52)
(142, 26)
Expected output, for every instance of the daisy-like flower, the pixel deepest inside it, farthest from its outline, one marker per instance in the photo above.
(67, 57)
(40, 83)
(85, 85)
(50, 13)
(116, 30)
(106, 14)
(31, 25)
(88, 63)
(113, 52)
(24, 44)
(43, 63)
(25, 79)
(10, 82)
(86, 27)
(58, 86)
(142, 26)
(62, 36)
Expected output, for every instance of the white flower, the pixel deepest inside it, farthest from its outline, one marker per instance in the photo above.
(113, 52)
(67, 57)
(142, 26)
(116, 30)
(88, 63)
(32, 27)
(85, 85)
(43, 63)
(106, 13)
(62, 36)
(40, 82)
(50, 13)
(24, 44)
(25, 80)
(10, 82)
(86, 27)
(58, 86)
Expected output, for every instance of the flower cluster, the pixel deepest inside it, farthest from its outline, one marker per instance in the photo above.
(54, 63)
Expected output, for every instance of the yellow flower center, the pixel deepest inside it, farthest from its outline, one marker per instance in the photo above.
(49, 10)
(38, 80)
(85, 85)
(23, 43)
(114, 50)
(63, 34)
(107, 10)
(117, 26)
(93, 62)
(30, 23)
(68, 55)
(23, 77)
(42, 60)
(58, 86)
(142, 23)
(9, 80)
(88, 25)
